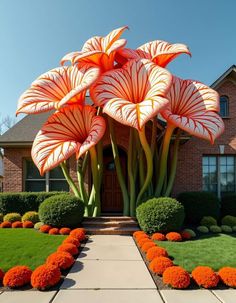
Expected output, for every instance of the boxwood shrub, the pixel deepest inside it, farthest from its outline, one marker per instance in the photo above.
(61, 210)
(160, 214)
(228, 205)
(198, 205)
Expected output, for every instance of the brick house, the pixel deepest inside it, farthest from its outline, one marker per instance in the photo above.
(201, 166)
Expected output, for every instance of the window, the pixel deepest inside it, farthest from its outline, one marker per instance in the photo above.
(224, 106)
(219, 174)
(53, 180)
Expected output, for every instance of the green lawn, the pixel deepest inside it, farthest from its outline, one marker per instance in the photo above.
(212, 250)
(26, 247)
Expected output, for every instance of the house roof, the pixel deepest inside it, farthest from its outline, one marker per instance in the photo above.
(231, 72)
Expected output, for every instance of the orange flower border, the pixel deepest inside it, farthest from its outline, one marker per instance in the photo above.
(48, 274)
(176, 276)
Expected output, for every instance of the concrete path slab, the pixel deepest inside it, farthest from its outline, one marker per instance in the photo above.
(105, 296)
(225, 295)
(189, 296)
(96, 274)
(27, 296)
(110, 239)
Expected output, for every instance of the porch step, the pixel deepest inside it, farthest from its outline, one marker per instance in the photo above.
(110, 225)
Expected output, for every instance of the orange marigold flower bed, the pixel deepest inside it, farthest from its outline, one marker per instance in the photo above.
(63, 260)
(138, 232)
(139, 237)
(142, 241)
(28, 224)
(72, 241)
(159, 264)
(45, 276)
(174, 236)
(17, 276)
(158, 237)
(6, 224)
(205, 276)
(156, 251)
(68, 247)
(186, 235)
(176, 277)
(17, 224)
(65, 231)
(78, 233)
(45, 228)
(54, 231)
(228, 276)
(147, 245)
(1, 274)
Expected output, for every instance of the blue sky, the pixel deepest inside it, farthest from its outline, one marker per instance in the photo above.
(36, 34)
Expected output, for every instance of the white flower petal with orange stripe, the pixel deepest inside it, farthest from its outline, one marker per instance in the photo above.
(193, 107)
(62, 85)
(134, 94)
(73, 129)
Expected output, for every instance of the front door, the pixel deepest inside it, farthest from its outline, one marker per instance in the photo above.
(111, 193)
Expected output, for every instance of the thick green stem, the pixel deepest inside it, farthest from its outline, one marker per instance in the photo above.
(83, 193)
(118, 168)
(163, 159)
(69, 180)
(94, 166)
(154, 135)
(130, 173)
(173, 164)
(85, 163)
(148, 154)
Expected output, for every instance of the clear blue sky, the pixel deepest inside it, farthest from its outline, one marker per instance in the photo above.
(35, 34)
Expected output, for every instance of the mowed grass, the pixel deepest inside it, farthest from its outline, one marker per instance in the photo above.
(26, 247)
(215, 251)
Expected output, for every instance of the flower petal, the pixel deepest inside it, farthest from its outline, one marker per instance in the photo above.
(112, 37)
(74, 129)
(62, 85)
(134, 94)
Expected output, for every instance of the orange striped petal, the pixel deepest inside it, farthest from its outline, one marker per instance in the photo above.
(193, 107)
(73, 129)
(134, 94)
(57, 87)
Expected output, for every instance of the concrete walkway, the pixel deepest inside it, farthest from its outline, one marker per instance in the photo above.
(110, 269)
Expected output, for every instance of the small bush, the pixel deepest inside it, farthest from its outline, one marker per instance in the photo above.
(174, 237)
(199, 204)
(208, 221)
(28, 224)
(78, 233)
(234, 228)
(72, 241)
(17, 276)
(229, 220)
(159, 264)
(215, 229)
(45, 228)
(30, 216)
(226, 229)
(228, 205)
(145, 247)
(45, 276)
(62, 210)
(228, 276)
(160, 215)
(203, 229)
(158, 237)
(205, 277)
(65, 231)
(63, 260)
(191, 232)
(156, 251)
(38, 225)
(68, 247)
(186, 235)
(17, 224)
(6, 224)
(138, 232)
(176, 277)
(12, 217)
(54, 231)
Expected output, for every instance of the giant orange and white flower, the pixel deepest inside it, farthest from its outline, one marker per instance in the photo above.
(99, 50)
(133, 94)
(72, 130)
(193, 107)
(57, 87)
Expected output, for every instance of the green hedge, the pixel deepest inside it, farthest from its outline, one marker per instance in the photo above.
(228, 205)
(198, 205)
(23, 202)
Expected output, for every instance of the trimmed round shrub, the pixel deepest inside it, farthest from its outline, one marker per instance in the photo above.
(72, 241)
(144, 240)
(160, 215)
(229, 220)
(28, 224)
(185, 235)
(234, 228)
(68, 247)
(38, 225)
(45, 276)
(63, 260)
(205, 276)
(199, 204)
(1, 217)
(78, 233)
(12, 217)
(17, 224)
(228, 205)
(228, 276)
(176, 277)
(203, 229)
(174, 237)
(208, 221)
(65, 231)
(158, 237)
(138, 232)
(156, 251)
(191, 232)
(215, 229)
(17, 276)
(140, 237)
(30, 216)
(226, 229)
(62, 210)
(54, 231)
(6, 224)
(145, 247)
(45, 228)
(159, 264)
